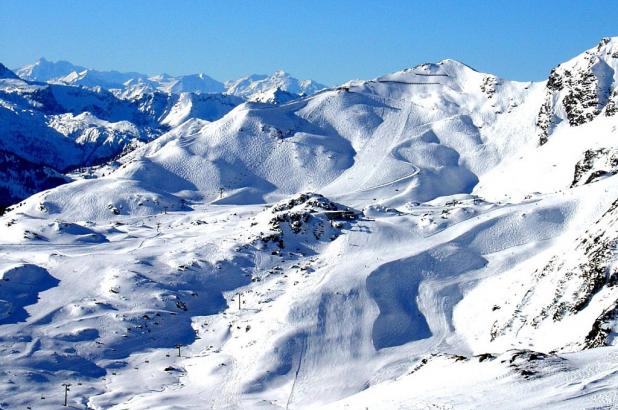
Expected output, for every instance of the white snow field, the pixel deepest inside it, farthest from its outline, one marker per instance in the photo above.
(436, 238)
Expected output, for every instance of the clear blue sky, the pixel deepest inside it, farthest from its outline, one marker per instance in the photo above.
(330, 41)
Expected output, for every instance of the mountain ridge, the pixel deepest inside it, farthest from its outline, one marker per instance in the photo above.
(64, 72)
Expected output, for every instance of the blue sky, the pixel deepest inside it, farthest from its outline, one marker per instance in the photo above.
(330, 41)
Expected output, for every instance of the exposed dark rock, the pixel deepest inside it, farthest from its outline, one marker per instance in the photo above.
(602, 328)
(488, 86)
(577, 92)
(531, 365)
(6, 73)
(554, 82)
(485, 356)
(307, 213)
(610, 108)
(595, 164)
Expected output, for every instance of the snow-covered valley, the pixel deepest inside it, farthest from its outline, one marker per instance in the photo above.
(432, 238)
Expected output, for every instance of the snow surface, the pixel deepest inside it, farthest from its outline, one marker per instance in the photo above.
(402, 242)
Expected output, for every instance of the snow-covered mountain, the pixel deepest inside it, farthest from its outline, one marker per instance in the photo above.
(130, 82)
(254, 85)
(436, 237)
(92, 78)
(43, 70)
(63, 72)
(195, 83)
(252, 88)
(52, 128)
(273, 96)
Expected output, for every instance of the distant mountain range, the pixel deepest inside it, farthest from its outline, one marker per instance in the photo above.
(250, 87)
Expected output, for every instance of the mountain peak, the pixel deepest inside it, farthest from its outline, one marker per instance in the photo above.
(257, 85)
(67, 73)
(582, 88)
(608, 41)
(606, 50)
(273, 96)
(454, 63)
(45, 70)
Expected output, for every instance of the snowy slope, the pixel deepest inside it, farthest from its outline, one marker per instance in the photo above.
(402, 242)
(273, 96)
(63, 127)
(208, 107)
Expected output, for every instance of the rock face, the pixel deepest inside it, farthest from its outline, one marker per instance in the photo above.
(489, 85)
(579, 90)
(596, 164)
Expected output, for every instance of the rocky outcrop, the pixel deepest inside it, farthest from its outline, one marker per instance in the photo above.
(305, 217)
(595, 165)
(610, 108)
(488, 86)
(580, 89)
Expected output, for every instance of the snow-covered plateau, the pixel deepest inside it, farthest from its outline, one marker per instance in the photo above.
(435, 238)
